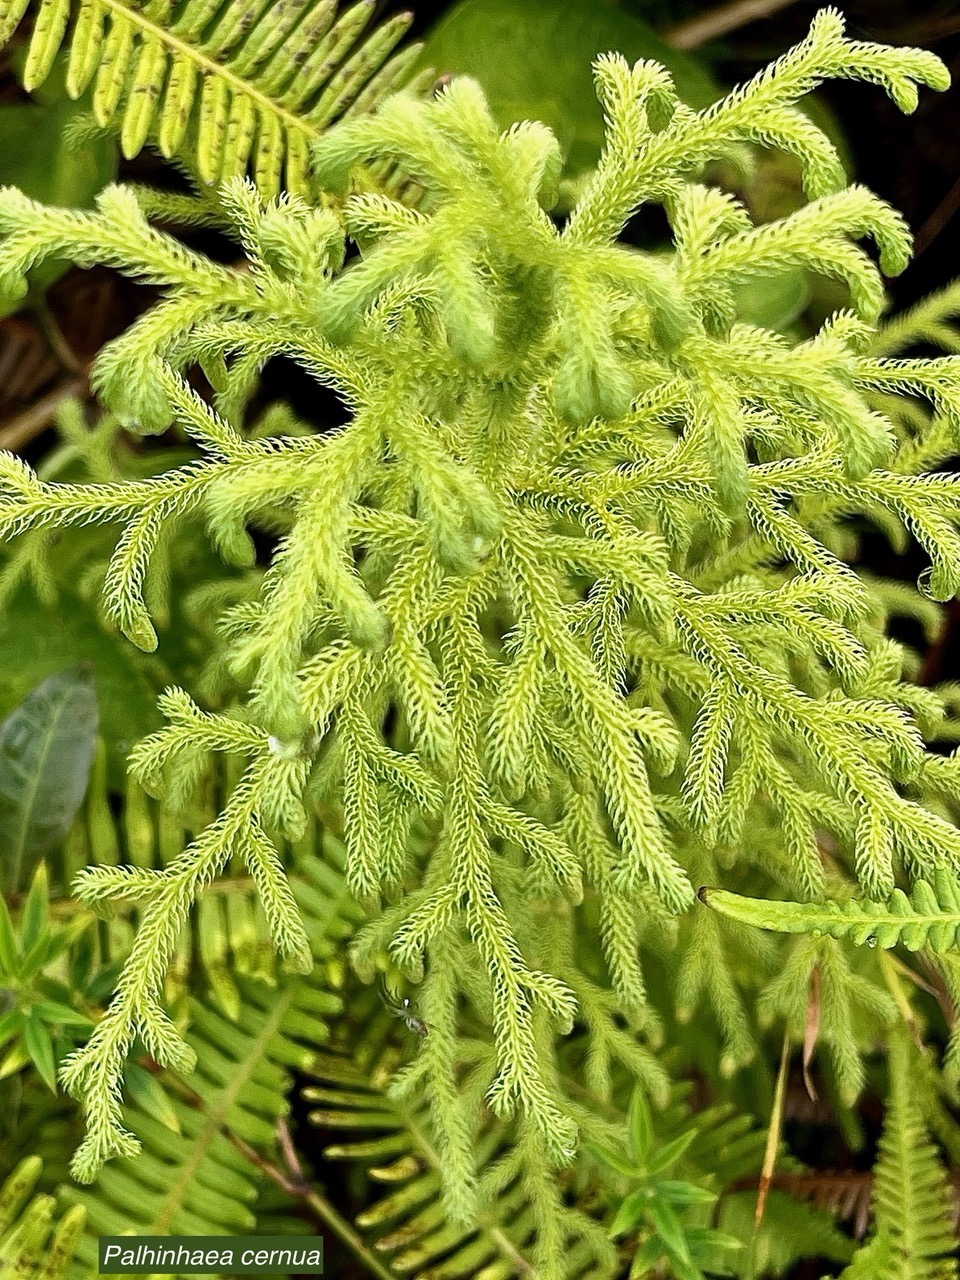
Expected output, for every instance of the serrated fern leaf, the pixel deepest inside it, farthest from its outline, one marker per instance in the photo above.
(929, 917)
(226, 85)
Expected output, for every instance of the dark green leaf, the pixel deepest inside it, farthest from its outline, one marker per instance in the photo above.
(61, 1015)
(40, 954)
(39, 1045)
(67, 934)
(40, 154)
(631, 1213)
(103, 984)
(81, 961)
(35, 915)
(639, 1126)
(10, 1024)
(646, 1258)
(46, 749)
(684, 1193)
(14, 1060)
(35, 910)
(669, 1154)
(704, 1242)
(670, 1231)
(619, 1164)
(38, 640)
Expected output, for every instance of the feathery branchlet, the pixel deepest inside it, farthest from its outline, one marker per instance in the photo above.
(563, 616)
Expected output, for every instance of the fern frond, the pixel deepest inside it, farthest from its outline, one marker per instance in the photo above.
(187, 1176)
(222, 87)
(912, 1205)
(929, 917)
(520, 1222)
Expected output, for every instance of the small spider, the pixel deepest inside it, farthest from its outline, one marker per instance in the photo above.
(402, 1009)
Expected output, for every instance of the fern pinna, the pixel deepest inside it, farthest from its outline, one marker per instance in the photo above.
(561, 624)
(222, 85)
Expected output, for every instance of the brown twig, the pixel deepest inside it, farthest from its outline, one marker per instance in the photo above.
(721, 21)
(937, 220)
(57, 342)
(297, 1187)
(24, 427)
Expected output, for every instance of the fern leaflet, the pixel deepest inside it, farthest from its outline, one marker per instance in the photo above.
(929, 917)
(223, 84)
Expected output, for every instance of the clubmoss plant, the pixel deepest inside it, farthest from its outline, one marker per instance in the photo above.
(561, 625)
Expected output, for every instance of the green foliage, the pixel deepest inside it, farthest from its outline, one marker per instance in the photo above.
(912, 1202)
(560, 625)
(501, 452)
(40, 1018)
(194, 1173)
(33, 1241)
(190, 1176)
(930, 917)
(46, 750)
(532, 58)
(219, 86)
(658, 1206)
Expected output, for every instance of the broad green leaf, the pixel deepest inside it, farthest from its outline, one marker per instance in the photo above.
(42, 155)
(46, 749)
(533, 58)
(37, 640)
